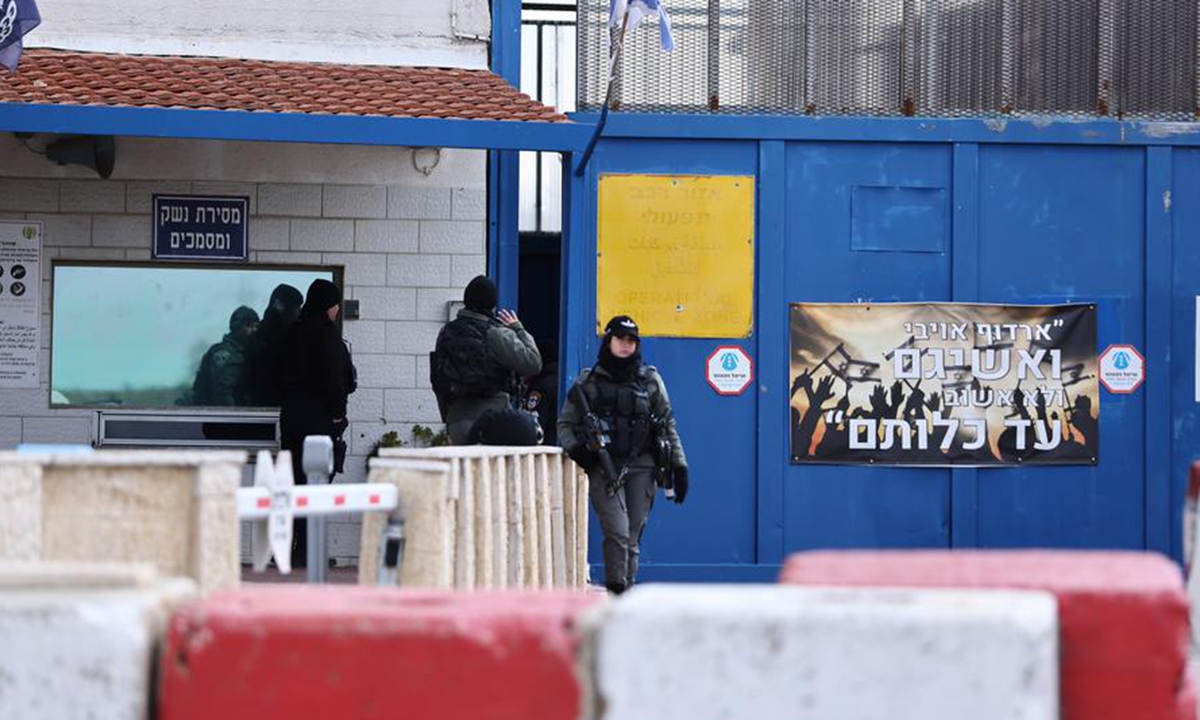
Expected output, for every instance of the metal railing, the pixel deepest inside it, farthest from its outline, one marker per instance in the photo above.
(547, 75)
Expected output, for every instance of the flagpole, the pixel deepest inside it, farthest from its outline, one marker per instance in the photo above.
(612, 77)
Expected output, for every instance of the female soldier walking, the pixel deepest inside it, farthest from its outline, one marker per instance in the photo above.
(631, 399)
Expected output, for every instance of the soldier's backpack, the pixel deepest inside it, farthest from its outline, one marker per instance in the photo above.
(462, 366)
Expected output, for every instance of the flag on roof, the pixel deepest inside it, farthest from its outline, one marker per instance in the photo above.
(17, 17)
(638, 10)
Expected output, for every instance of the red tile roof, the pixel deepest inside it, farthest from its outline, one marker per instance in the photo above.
(73, 78)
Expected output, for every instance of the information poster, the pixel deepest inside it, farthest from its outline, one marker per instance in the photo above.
(20, 303)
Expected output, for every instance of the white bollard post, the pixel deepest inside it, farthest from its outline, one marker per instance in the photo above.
(318, 468)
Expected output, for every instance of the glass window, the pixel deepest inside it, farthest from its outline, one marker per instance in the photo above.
(142, 335)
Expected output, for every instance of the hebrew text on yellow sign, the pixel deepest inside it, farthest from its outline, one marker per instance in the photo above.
(676, 253)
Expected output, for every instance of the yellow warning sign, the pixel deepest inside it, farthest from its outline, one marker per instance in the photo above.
(676, 253)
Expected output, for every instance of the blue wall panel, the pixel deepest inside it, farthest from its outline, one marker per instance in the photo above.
(716, 528)
(1185, 287)
(1066, 224)
(838, 506)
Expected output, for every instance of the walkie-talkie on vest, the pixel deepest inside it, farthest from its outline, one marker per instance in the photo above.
(598, 441)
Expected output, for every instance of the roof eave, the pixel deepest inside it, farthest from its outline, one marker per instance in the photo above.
(293, 127)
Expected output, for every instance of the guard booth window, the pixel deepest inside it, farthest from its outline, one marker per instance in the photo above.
(149, 336)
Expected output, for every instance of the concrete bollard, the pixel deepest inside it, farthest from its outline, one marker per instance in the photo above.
(78, 641)
(699, 652)
(1124, 616)
(174, 509)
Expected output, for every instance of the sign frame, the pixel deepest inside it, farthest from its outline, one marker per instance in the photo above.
(161, 236)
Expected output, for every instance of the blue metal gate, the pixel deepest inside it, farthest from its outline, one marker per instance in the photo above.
(1025, 212)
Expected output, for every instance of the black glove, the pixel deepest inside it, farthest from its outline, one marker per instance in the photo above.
(681, 484)
(583, 457)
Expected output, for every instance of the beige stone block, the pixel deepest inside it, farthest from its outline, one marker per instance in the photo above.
(174, 510)
(520, 516)
(528, 485)
(558, 544)
(516, 522)
(500, 530)
(20, 511)
(567, 472)
(541, 474)
(581, 525)
(427, 503)
(464, 550)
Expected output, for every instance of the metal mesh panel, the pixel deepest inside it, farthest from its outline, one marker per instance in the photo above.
(903, 57)
(1157, 49)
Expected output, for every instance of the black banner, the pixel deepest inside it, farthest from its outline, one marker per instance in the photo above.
(944, 384)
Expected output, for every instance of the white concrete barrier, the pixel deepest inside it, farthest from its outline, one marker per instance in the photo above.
(480, 516)
(174, 509)
(698, 652)
(79, 641)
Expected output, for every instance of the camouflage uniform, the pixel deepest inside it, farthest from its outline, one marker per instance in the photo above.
(220, 381)
(624, 514)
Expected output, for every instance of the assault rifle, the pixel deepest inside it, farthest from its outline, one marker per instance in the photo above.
(598, 441)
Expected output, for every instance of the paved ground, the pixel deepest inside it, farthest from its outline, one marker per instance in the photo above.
(336, 576)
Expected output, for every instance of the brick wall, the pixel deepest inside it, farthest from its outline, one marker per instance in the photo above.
(409, 243)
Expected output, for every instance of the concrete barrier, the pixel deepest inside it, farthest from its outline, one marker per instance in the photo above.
(479, 516)
(175, 510)
(1124, 616)
(699, 652)
(318, 652)
(79, 641)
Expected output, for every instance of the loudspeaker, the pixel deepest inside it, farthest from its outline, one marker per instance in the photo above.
(98, 152)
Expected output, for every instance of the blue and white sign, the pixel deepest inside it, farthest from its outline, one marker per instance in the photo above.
(201, 227)
(1122, 369)
(729, 370)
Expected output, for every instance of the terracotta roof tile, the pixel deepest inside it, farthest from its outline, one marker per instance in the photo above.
(72, 78)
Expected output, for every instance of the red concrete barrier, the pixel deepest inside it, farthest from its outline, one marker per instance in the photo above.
(1123, 616)
(297, 652)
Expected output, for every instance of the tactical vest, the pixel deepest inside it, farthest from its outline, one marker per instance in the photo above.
(463, 363)
(626, 406)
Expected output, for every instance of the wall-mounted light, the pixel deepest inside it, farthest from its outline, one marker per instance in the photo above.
(425, 159)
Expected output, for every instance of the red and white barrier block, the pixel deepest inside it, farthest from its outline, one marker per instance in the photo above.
(1124, 616)
(363, 653)
(707, 652)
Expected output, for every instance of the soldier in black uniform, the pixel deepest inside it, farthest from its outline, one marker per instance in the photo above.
(628, 396)
(264, 386)
(317, 379)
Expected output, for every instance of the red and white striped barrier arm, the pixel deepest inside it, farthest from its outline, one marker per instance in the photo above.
(254, 503)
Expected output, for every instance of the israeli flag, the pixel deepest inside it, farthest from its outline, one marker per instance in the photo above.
(17, 17)
(637, 10)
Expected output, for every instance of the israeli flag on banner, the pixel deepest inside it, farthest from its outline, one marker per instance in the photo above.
(637, 11)
(17, 17)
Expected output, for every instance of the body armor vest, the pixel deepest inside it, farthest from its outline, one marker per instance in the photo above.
(626, 406)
